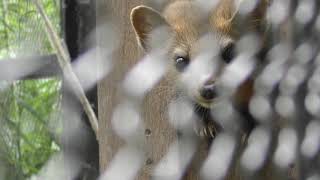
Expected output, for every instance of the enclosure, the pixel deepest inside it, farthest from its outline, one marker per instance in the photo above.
(93, 89)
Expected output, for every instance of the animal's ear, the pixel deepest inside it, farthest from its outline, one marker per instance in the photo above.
(260, 10)
(256, 12)
(145, 22)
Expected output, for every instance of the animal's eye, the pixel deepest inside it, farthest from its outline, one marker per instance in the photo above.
(181, 62)
(228, 53)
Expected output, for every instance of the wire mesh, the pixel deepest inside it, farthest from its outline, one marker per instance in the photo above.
(276, 135)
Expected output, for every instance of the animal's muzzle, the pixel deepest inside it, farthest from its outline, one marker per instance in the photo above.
(208, 92)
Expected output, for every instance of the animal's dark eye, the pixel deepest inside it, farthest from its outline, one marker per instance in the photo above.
(228, 53)
(181, 62)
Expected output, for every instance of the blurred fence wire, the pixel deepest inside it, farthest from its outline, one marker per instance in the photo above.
(285, 104)
(284, 140)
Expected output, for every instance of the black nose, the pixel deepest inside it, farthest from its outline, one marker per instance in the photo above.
(209, 92)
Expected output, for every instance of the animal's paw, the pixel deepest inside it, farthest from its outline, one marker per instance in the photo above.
(208, 131)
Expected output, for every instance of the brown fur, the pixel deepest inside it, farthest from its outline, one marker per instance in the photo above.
(187, 22)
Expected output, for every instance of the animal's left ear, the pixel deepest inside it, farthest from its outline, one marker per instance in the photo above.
(260, 10)
(152, 30)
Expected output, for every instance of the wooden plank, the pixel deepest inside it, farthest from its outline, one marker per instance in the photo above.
(109, 93)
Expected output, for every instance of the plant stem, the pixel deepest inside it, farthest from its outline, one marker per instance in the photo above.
(64, 62)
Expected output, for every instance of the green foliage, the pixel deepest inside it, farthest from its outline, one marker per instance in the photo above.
(30, 109)
(21, 27)
(29, 112)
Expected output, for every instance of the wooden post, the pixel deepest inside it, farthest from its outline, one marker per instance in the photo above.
(124, 57)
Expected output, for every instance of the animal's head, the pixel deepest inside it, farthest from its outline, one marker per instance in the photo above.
(194, 31)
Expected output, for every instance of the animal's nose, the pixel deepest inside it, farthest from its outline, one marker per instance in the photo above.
(209, 92)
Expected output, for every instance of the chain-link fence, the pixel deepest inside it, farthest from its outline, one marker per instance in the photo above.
(223, 89)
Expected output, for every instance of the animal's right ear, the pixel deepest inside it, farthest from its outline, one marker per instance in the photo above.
(145, 21)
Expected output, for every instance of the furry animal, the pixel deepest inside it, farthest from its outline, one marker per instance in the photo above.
(186, 24)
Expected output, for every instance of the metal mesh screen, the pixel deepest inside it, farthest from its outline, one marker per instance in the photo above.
(275, 135)
(22, 31)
